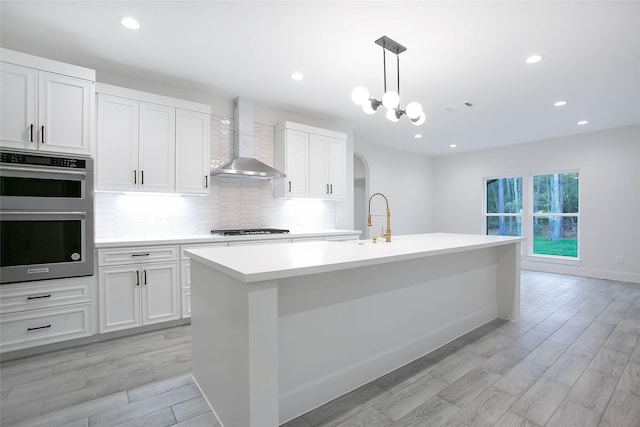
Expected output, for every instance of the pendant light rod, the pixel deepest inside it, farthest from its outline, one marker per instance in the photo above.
(384, 68)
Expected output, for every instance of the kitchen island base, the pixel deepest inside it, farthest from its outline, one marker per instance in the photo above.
(267, 351)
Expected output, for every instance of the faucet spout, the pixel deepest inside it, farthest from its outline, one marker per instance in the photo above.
(386, 234)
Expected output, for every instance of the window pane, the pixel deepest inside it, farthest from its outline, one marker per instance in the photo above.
(504, 225)
(555, 193)
(504, 195)
(555, 235)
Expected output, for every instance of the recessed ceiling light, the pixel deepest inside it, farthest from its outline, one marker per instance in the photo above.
(297, 76)
(560, 103)
(130, 23)
(583, 122)
(533, 59)
(417, 136)
(452, 146)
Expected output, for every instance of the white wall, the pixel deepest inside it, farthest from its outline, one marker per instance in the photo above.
(609, 166)
(407, 181)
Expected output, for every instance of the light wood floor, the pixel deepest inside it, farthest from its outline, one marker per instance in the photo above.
(572, 360)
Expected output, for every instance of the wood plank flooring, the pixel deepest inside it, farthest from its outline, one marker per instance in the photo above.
(573, 359)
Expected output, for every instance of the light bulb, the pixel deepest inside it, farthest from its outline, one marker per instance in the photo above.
(391, 115)
(368, 108)
(390, 100)
(413, 110)
(420, 120)
(360, 95)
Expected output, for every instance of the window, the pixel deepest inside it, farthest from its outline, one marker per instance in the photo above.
(555, 214)
(503, 214)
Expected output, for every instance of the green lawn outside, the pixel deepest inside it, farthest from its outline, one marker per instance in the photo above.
(563, 247)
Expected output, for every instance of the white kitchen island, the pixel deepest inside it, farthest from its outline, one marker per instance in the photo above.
(281, 329)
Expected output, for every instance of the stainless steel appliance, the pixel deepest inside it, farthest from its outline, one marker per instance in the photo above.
(249, 231)
(46, 216)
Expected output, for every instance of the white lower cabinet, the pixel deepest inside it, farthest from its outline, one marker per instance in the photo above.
(136, 294)
(45, 312)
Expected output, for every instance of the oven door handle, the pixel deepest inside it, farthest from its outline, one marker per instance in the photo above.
(77, 173)
(44, 213)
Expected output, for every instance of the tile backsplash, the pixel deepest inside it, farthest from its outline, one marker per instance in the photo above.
(232, 202)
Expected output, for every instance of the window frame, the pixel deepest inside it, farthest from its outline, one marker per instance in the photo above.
(532, 215)
(486, 214)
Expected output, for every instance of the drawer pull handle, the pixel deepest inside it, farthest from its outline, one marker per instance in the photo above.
(145, 276)
(141, 254)
(31, 132)
(39, 297)
(137, 278)
(42, 133)
(39, 327)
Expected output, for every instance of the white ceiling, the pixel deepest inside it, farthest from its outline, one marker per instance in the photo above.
(456, 52)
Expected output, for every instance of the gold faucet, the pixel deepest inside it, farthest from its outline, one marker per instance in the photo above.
(387, 234)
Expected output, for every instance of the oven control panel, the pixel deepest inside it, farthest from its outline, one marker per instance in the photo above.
(42, 160)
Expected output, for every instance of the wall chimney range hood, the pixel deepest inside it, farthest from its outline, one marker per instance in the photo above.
(244, 165)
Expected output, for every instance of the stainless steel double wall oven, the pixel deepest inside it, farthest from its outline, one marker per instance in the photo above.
(46, 216)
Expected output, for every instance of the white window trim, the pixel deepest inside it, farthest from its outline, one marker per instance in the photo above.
(555, 259)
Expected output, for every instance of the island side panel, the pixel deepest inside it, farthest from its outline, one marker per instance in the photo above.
(342, 329)
(508, 281)
(234, 347)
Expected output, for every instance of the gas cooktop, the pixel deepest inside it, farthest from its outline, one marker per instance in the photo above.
(248, 231)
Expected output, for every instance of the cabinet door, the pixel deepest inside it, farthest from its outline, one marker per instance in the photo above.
(64, 109)
(336, 167)
(117, 158)
(192, 152)
(318, 178)
(160, 292)
(297, 164)
(18, 106)
(156, 147)
(119, 303)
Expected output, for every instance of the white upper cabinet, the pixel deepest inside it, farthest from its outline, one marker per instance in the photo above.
(292, 157)
(136, 145)
(117, 165)
(314, 160)
(157, 148)
(146, 143)
(19, 106)
(46, 105)
(327, 173)
(64, 113)
(192, 151)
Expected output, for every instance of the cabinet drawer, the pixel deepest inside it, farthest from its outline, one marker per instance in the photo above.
(48, 325)
(203, 246)
(35, 295)
(140, 254)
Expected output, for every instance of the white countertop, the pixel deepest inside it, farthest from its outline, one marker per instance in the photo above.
(211, 238)
(267, 262)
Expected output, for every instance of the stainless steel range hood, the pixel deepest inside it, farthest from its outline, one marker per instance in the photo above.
(244, 164)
